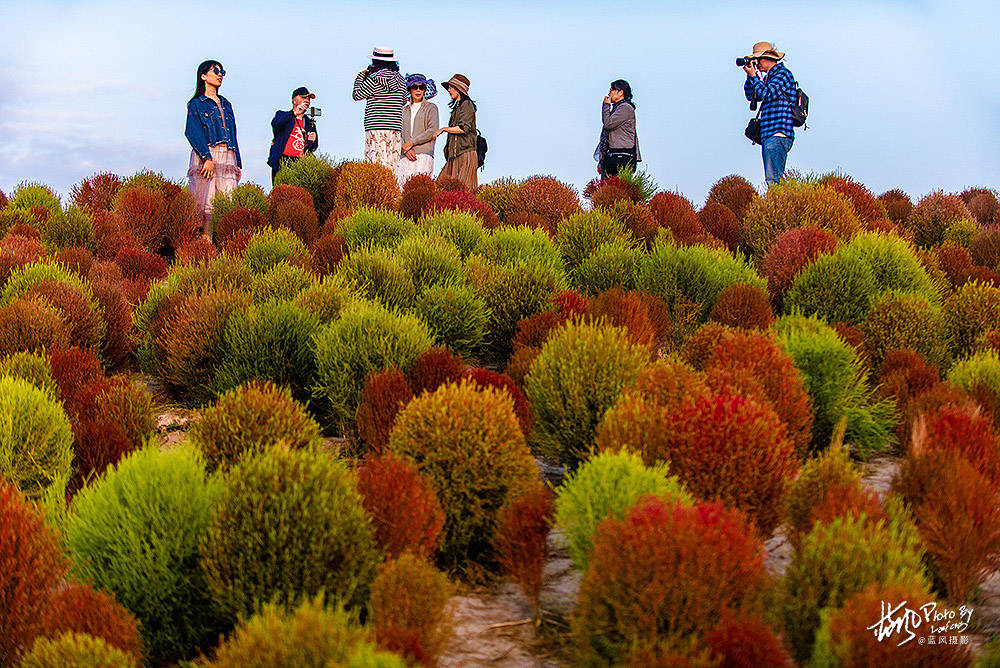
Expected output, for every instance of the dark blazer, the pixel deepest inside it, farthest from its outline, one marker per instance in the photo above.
(282, 125)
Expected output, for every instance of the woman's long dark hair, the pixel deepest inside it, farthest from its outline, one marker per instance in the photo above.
(462, 97)
(622, 85)
(199, 83)
(383, 65)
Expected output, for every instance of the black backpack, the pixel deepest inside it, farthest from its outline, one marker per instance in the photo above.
(800, 107)
(481, 148)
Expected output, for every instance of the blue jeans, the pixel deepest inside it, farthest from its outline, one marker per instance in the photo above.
(775, 151)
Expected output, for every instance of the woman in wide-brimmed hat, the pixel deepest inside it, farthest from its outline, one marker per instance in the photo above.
(460, 149)
(385, 91)
(420, 126)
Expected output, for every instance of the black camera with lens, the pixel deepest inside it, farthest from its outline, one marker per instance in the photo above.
(743, 62)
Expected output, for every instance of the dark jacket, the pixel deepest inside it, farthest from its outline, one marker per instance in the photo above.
(282, 125)
(205, 126)
(462, 116)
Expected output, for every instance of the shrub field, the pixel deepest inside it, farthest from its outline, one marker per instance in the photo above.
(397, 396)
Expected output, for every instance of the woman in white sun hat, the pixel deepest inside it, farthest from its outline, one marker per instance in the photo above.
(385, 91)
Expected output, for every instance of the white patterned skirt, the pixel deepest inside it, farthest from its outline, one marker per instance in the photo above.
(405, 168)
(383, 147)
(225, 176)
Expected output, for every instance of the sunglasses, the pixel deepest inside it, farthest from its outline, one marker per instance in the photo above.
(418, 87)
(218, 70)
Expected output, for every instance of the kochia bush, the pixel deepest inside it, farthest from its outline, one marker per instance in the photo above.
(409, 609)
(304, 500)
(578, 375)
(76, 650)
(159, 504)
(78, 608)
(468, 442)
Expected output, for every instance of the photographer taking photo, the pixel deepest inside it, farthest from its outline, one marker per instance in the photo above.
(772, 85)
(294, 132)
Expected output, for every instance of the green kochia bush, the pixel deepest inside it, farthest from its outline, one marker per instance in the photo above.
(306, 504)
(611, 265)
(249, 419)
(34, 368)
(841, 286)
(367, 228)
(248, 195)
(271, 341)
(283, 281)
(36, 443)
(367, 337)
(456, 317)
(835, 379)
(461, 228)
(581, 234)
(607, 486)
(311, 635)
(898, 321)
(972, 311)
(309, 172)
(29, 195)
(695, 273)
(76, 650)
(324, 298)
(982, 370)
(578, 375)
(512, 291)
(468, 441)
(72, 227)
(506, 245)
(430, 260)
(838, 559)
(135, 533)
(269, 247)
(378, 274)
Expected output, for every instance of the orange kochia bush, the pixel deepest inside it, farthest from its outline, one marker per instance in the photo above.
(78, 608)
(522, 540)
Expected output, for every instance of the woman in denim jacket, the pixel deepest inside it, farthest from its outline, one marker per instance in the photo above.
(215, 165)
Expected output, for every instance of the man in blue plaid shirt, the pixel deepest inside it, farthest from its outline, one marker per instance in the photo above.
(774, 88)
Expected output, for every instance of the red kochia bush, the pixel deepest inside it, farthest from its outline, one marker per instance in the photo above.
(613, 192)
(111, 234)
(984, 208)
(791, 252)
(733, 449)
(522, 540)
(966, 432)
(569, 303)
(533, 331)
(869, 209)
(143, 212)
(285, 193)
(237, 220)
(31, 566)
(755, 365)
(76, 259)
(137, 263)
(351, 185)
(385, 394)
(73, 369)
(547, 198)
(86, 327)
(955, 261)
(637, 312)
(720, 221)
(24, 229)
(735, 192)
(326, 253)
(417, 194)
(17, 251)
(675, 212)
(487, 378)
(298, 217)
(196, 250)
(957, 511)
(746, 642)
(450, 183)
(743, 305)
(665, 571)
(463, 200)
(853, 644)
(985, 247)
(932, 216)
(403, 505)
(78, 608)
(182, 222)
(433, 368)
(898, 205)
(117, 421)
(97, 193)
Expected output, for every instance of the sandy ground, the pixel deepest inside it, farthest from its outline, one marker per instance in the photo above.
(493, 624)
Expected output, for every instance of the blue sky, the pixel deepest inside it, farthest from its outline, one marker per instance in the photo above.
(903, 94)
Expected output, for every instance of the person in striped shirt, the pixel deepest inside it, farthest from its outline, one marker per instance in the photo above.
(776, 91)
(385, 91)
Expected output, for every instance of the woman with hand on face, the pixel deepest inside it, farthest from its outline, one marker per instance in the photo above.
(619, 143)
(420, 126)
(460, 149)
(215, 165)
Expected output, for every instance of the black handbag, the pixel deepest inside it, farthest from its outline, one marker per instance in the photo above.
(753, 130)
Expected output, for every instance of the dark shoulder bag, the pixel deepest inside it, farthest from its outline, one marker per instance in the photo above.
(753, 127)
